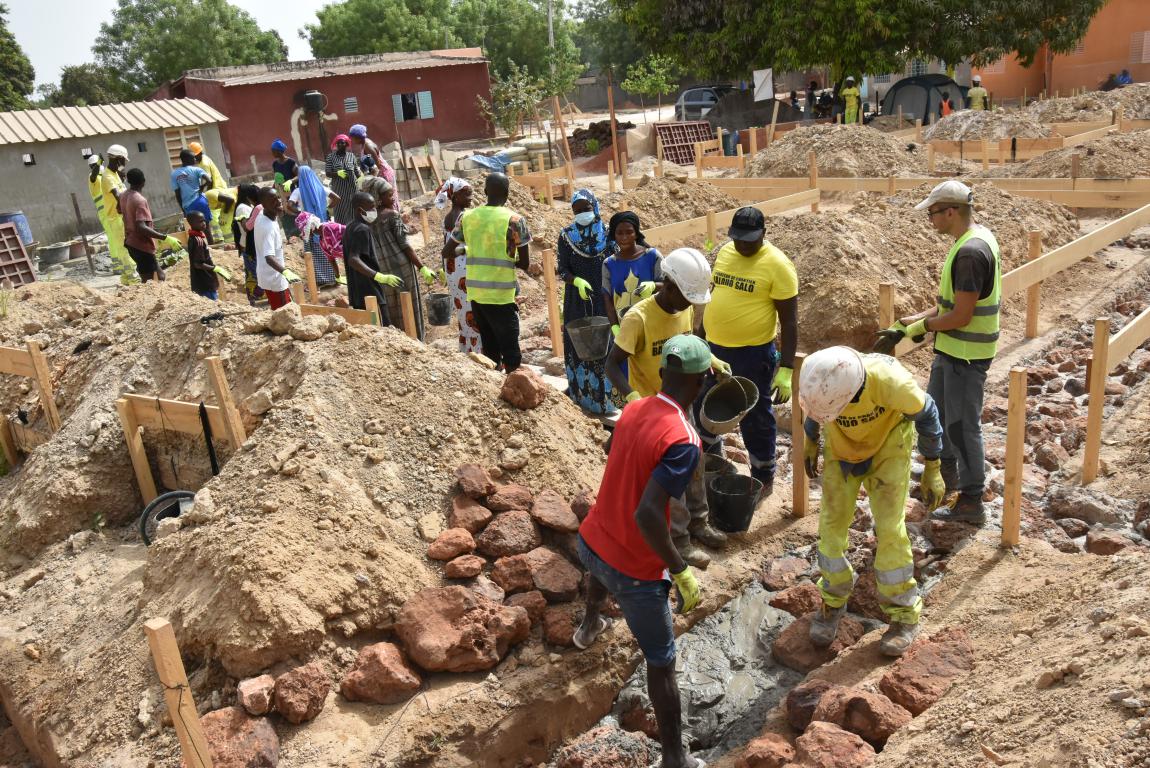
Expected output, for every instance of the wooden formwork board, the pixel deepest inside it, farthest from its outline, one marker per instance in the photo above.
(368, 316)
(698, 225)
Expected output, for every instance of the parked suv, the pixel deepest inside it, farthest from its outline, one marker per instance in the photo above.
(695, 103)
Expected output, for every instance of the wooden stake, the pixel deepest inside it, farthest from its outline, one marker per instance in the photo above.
(711, 236)
(1034, 292)
(611, 176)
(814, 178)
(44, 382)
(425, 227)
(235, 426)
(698, 162)
(614, 127)
(548, 191)
(553, 319)
(754, 141)
(1097, 398)
(562, 130)
(742, 159)
(659, 159)
(890, 186)
(918, 131)
(900, 117)
(774, 119)
(407, 309)
(309, 276)
(371, 304)
(135, 442)
(296, 290)
(1075, 169)
(1015, 446)
(178, 693)
(886, 304)
(930, 158)
(570, 180)
(800, 486)
(8, 443)
(985, 153)
(1023, 105)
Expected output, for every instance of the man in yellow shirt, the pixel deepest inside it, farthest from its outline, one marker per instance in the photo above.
(111, 187)
(222, 203)
(642, 333)
(867, 403)
(851, 97)
(755, 295)
(217, 182)
(977, 97)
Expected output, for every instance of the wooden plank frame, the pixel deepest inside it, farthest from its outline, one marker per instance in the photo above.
(29, 363)
(1108, 352)
(369, 316)
(554, 318)
(1015, 447)
(698, 225)
(178, 693)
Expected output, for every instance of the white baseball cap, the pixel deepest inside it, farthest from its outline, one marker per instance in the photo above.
(950, 191)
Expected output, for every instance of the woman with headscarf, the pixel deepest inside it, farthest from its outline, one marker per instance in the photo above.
(368, 148)
(285, 168)
(395, 255)
(342, 168)
(311, 197)
(581, 251)
(329, 235)
(633, 268)
(458, 192)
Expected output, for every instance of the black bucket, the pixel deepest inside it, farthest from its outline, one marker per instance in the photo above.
(732, 499)
(715, 465)
(439, 308)
(591, 337)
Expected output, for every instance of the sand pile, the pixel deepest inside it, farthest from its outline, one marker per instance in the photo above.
(840, 150)
(1095, 105)
(666, 200)
(969, 125)
(1116, 156)
(842, 256)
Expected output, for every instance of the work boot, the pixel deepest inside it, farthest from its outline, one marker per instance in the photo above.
(897, 638)
(948, 468)
(825, 625)
(693, 555)
(964, 509)
(709, 536)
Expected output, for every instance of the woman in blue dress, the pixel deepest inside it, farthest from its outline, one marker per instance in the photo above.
(632, 269)
(581, 251)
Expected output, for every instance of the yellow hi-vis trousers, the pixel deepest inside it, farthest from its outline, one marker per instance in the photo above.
(886, 481)
(122, 263)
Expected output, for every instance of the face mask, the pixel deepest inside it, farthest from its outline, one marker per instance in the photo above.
(369, 216)
(584, 219)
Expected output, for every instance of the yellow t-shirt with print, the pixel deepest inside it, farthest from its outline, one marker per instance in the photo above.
(644, 330)
(223, 218)
(110, 180)
(742, 309)
(217, 178)
(889, 396)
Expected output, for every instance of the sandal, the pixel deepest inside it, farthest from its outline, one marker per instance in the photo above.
(582, 643)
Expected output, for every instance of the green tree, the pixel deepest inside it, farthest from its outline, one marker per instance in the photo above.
(514, 32)
(514, 98)
(652, 76)
(82, 85)
(604, 37)
(356, 27)
(149, 42)
(16, 74)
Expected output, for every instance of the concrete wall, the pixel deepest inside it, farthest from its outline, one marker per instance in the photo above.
(42, 190)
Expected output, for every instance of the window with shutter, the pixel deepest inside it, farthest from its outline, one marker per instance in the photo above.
(176, 139)
(351, 104)
(426, 111)
(397, 106)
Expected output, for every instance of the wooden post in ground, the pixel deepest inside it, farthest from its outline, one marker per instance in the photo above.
(554, 323)
(44, 382)
(890, 186)
(1034, 292)
(136, 451)
(1075, 169)
(1015, 446)
(800, 486)
(371, 304)
(930, 158)
(548, 191)
(813, 175)
(754, 141)
(562, 130)
(918, 131)
(296, 290)
(698, 162)
(711, 236)
(985, 153)
(1022, 106)
(1097, 399)
(8, 444)
(614, 129)
(742, 159)
(425, 227)
(570, 180)
(611, 176)
(407, 309)
(886, 304)
(658, 159)
(219, 381)
(900, 117)
(774, 119)
(309, 275)
(177, 693)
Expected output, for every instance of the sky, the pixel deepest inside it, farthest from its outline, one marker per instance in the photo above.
(57, 34)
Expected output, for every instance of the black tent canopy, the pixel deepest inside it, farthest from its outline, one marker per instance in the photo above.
(920, 96)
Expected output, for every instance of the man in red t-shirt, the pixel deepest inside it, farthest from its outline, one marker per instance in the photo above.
(625, 541)
(139, 235)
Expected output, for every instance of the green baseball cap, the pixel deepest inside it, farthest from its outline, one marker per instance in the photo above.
(686, 353)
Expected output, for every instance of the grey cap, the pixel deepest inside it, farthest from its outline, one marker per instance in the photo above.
(950, 191)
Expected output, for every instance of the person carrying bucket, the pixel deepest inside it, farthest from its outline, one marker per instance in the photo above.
(645, 329)
(581, 251)
(866, 404)
(755, 298)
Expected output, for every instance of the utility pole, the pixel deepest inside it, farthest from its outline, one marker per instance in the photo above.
(551, 24)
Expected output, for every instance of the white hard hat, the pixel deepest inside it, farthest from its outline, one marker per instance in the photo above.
(977, 78)
(949, 191)
(828, 381)
(688, 270)
(118, 150)
(93, 159)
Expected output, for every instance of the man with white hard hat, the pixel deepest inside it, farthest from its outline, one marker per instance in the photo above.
(965, 323)
(644, 330)
(112, 186)
(866, 404)
(977, 97)
(852, 97)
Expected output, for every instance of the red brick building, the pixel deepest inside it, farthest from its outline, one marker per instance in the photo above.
(411, 97)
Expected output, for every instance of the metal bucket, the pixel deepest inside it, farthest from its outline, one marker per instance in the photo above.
(439, 308)
(732, 500)
(727, 403)
(56, 253)
(591, 337)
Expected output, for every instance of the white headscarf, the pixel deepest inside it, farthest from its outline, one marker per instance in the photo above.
(449, 188)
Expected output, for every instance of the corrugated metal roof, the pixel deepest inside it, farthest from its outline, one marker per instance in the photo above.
(33, 125)
(254, 74)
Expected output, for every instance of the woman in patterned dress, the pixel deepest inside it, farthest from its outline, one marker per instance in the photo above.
(342, 168)
(458, 192)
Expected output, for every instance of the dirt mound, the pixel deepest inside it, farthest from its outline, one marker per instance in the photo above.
(842, 256)
(1095, 105)
(970, 124)
(1117, 156)
(666, 200)
(840, 150)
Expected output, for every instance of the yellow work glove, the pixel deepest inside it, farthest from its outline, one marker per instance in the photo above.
(615, 329)
(781, 386)
(889, 338)
(645, 289)
(931, 486)
(811, 457)
(721, 367)
(917, 330)
(687, 589)
(631, 397)
(393, 280)
(428, 275)
(341, 173)
(172, 242)
(582, 286)
(341, 280)
(290, 276)
(287, 187)
(226, 275)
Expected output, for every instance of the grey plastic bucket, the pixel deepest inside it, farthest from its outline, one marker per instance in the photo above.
(439, 308)
(732, 500)
(727, 403)
(591, 337)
